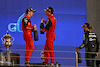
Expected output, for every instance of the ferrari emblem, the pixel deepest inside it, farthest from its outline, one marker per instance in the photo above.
(29, 23)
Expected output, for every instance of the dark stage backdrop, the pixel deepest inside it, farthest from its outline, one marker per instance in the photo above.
(70, 15)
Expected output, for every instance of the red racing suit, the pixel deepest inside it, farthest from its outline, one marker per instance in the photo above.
(50, 35)
(27, 29)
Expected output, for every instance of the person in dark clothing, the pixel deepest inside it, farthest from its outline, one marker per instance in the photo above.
(91, 44)
(97, 61)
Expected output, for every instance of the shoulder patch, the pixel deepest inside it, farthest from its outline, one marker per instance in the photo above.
(47, 21)
(26, 20)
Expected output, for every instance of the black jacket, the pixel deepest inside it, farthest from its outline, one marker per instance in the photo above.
(90, 41)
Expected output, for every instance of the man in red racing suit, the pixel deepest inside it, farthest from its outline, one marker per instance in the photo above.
(27, 29)
(50, 35)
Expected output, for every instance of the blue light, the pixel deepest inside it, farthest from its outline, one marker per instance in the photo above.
(12, 29)
(19, 22)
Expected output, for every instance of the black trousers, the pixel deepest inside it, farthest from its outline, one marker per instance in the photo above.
(98, 63)
(90, 60)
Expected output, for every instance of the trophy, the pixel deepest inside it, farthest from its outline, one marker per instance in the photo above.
(7, 40)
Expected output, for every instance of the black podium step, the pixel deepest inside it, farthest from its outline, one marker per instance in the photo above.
(44, 65)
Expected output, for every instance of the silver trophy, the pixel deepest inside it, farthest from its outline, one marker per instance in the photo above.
(7, 40)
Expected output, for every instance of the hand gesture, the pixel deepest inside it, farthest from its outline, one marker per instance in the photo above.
(42, 30)
(77, 48)
(96, 55)
(35, 28)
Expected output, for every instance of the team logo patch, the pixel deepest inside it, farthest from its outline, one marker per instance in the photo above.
(29, 23)
(47, 21)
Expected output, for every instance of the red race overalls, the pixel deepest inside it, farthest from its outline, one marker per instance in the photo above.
(49, 44)
(26, 27)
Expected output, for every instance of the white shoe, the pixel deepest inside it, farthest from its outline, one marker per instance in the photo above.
(52, 64)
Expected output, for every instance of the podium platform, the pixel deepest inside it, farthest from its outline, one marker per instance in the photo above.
(43, 65)
(9, 59)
